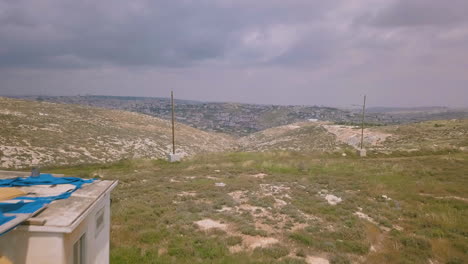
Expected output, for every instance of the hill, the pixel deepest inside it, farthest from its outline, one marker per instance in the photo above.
(232, 118)
(285, 207)
(428, 136)
(440, 135)
(239, 119)
(42, 133)
(292, 197)
(304, 136)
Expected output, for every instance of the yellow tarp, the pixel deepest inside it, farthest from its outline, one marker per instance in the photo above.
(10, 193)
(4, 260)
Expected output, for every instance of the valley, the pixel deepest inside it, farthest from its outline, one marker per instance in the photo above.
(294, 193)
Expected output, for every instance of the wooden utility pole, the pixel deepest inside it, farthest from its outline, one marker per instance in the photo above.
(173, 127)
(362, 125)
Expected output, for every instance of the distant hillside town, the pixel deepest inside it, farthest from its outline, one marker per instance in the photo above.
(242, 119)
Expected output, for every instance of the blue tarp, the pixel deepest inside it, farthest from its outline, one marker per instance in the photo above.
(4, 219)
(37, 202)
(43, 179)
(20, 207)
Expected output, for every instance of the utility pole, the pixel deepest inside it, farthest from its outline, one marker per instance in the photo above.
(362, 125)
(173, 157)
(173, 127)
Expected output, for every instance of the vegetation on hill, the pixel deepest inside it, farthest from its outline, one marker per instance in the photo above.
(305, 137)
(296, 193)
(42, 133)
(243, 119)
(424, 137)
(287, 207)
(441, 136)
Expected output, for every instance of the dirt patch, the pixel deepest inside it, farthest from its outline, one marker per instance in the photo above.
(316, 260)
(279, 203)
(207, 224)
(293, 126)
(259, 175)
(445, 197)
(255, 242)
(224, 209)
(351, 135)
(162, 251)
(370, 219)
(187, 194)
(239, 196)
(270, 189)
(250, 243)
(267, 217)
(365, 217)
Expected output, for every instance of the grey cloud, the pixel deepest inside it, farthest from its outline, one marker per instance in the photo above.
(238, 50)
(139, 33)
(408, 13)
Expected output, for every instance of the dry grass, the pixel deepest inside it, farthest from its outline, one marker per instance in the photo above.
(405, 203)
(154, 221)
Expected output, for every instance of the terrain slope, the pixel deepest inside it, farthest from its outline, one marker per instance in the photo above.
(240, 119)
(429, 136)
(303, 136)
(42, 133)
(50, 134)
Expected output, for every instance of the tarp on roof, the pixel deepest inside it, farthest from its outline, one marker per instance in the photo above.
(35, 203)
(7, 193)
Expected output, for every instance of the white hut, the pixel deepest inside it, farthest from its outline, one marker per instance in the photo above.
(74, 230)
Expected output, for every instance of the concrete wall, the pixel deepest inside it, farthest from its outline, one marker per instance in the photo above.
(96, 241)
(23, 246)
(19, 246)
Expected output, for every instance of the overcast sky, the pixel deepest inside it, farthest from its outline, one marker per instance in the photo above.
(312, 52)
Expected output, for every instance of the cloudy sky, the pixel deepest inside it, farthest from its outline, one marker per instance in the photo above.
(312, 52)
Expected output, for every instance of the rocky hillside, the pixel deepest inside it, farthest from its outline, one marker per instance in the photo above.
(440, 135)
(231, 118)
(429, 136)
(42, 133)
(304, 136)
(243, 119)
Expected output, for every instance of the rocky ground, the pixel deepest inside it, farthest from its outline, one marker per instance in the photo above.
(243, 119)
(288, 207)
(290, 194)
(45, 134)
(41, 133)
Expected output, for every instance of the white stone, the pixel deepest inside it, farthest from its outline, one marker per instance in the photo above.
(174, 157)
(362, 152)
(386, 197)
(332, 199)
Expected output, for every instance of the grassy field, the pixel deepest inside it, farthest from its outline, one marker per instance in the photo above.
(272, 207)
